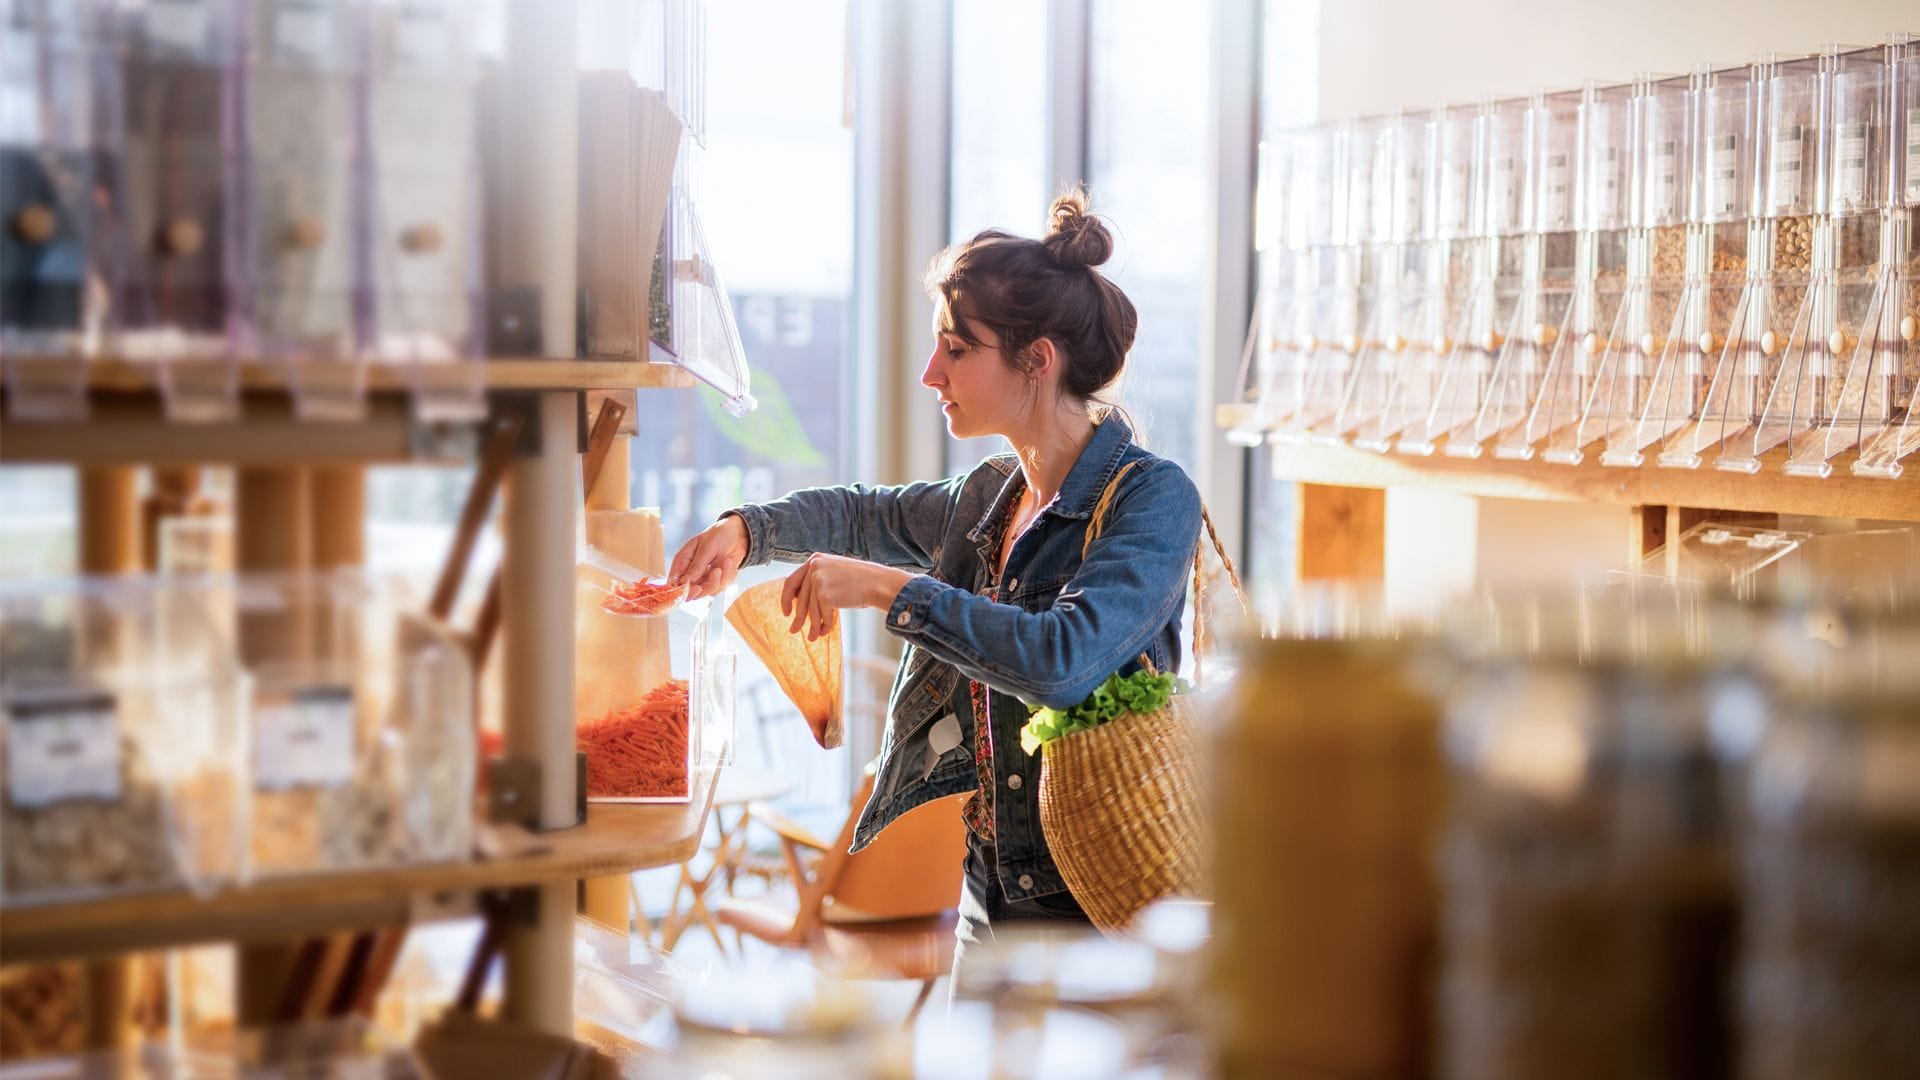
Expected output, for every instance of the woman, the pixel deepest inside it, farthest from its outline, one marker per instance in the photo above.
(982, 575)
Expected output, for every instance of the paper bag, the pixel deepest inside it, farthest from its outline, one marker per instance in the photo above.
(807, 671)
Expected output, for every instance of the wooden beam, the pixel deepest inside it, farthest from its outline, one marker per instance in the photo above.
(1342, 533)
(1769, 491)
(109, 521)
(339, 516)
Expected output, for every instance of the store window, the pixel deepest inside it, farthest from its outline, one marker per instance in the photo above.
(1147, 166)
(999, 153)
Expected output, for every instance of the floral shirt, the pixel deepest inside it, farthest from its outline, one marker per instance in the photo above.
(977, 811)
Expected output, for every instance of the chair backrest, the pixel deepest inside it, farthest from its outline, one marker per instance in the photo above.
(913, 868)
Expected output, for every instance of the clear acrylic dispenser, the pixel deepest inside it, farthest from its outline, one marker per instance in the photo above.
(173, 251)
(52, 165)
(706, 339)
(301, 107)
(1551, 259)
(1603, 248)
(1500, 137)
(1392, 274)
(125, 741)
(653, 692)
(1885, 442)
(1755, 415)
(1646, 325)
(1312, 245)
(1857, 299)
(423, 158)
(1352, 292)
(1723, 269)
(631, 142)
(1245, 418)
(1455, 303)
(362, 723)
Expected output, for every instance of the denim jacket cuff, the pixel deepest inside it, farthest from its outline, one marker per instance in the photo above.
(913, 604)
(759, 525)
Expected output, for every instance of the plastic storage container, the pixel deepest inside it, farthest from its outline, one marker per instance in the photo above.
(1884, 443)
(1846, 381)
(706, 339)
(53, 165)
(1315, 212)
(174, 256)
(424, 232)
(1395, 255)
(1779, 302)
(126, 748)
(362, 723)
(1351, 294)
(1728, 234)
(1830, 965)
(1459, 292)
(1549, 261)
(1587, 863)
(300, 107)
(1661, 136)
(653, 677)
(630, 142)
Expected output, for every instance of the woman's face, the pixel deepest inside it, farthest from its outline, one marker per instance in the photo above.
(979, 392)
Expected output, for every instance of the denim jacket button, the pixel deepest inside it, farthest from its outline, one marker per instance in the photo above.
(905, 617)
(1026, 881)
(1013, 585)
(1014, 781)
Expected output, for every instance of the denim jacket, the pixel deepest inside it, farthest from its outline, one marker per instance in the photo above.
(1061, 626)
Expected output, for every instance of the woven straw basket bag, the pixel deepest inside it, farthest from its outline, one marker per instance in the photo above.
(1123, 805)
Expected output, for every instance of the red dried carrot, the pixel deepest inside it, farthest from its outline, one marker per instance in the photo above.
(639, 751)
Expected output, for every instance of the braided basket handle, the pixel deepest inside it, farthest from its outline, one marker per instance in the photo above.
(1098, 523)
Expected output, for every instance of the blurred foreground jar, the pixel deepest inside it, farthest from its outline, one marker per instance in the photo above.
(1328, 775)
(1586, 864)
(1830, 972)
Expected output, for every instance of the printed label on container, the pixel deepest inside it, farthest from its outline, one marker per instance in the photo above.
(1556, 193)
(1850, 167)
(1723, 175)
(1913, 155)
(302, 31)
(1506, 195)
(305, 741)
(180, 24)
(1783, 182)
(1665, 195)
(1453, 198)
(1606, 170)
(60, 749)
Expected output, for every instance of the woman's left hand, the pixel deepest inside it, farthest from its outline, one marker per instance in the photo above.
(815, 593)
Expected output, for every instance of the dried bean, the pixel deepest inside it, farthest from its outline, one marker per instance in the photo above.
(1793, 243)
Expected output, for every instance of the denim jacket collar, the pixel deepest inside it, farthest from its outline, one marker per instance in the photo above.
(1085, 481)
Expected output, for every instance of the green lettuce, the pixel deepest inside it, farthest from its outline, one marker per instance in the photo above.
(1140, 692)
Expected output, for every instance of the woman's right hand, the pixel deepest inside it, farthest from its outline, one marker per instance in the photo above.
(711, 560)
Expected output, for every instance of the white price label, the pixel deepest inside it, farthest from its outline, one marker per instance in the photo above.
(1506, 194)
(1556, 193)
(1606, 167)
(423, 40)
(1850, 167)
(1723, 181)
(305, 741)
(303, 31)
(180, 24)
(1453, 198)
(62, 749)
(1913, 155)
(1666, 180)
(1784, 180)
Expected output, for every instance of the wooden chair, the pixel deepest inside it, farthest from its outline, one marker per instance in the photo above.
(887, 912)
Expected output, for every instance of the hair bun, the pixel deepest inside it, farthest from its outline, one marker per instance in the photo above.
(1075, 238)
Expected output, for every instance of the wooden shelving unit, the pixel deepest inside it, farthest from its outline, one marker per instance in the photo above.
(616, 839)
(1769, 491)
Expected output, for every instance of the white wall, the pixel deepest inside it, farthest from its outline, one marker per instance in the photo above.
(1377, 54)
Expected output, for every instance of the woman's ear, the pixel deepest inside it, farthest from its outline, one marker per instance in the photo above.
(1046, 358)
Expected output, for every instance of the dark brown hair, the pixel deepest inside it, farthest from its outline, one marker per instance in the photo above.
(1024, 290)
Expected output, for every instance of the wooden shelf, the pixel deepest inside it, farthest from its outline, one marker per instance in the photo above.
(1770, 491)
(503, 373)
(616, 839)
